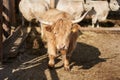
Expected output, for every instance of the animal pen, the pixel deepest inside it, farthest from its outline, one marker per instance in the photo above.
(9, 30)
(8, 21)
(92, 43)
(5, 9)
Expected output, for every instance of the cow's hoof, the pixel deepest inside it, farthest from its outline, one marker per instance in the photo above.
(50, 66)
(66, 68)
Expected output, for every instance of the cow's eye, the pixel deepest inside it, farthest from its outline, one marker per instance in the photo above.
(55, 32)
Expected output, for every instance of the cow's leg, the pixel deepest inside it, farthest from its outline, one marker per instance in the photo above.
(51, 62)
(42, 32)
(30, 24)
(52, 54)
(66, 59)
(94, 20)
(97, 23)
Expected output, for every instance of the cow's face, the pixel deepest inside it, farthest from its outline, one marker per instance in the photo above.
(88, 6)
(62, 30)
(114, 6)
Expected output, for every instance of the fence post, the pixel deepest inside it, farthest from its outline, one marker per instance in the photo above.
(6, 18)
(1, 21)
(12, 12)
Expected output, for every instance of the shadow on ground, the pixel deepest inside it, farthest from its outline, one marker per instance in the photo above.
(30, 64)
(88, 22)
(86, 56)
(34, 67)
(28, 67)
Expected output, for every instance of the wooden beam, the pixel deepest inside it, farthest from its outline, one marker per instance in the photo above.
(101, 30)
(1, 21)
(12, 12)
(6, 19)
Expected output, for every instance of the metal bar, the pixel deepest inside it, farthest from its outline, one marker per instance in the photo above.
(1, 21)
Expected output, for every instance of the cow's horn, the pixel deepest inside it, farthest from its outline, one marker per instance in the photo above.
(81, 18)
(45, 22)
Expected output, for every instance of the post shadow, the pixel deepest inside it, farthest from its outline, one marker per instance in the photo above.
(86, 56)
(53, 74)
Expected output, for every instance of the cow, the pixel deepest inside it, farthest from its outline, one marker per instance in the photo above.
(61, 32)
(52, 3)
(77, 7)
(101, 10)
(73, 7)
(31, 9)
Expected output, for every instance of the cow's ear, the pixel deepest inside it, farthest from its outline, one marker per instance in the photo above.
(75, 27)
(48, 28)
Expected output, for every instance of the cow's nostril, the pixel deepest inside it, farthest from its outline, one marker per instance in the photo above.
(59, 47)
(62, 47)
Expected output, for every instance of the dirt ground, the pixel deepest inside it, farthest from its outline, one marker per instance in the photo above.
(96, 57)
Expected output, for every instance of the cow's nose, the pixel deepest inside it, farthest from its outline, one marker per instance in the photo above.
(62, 47)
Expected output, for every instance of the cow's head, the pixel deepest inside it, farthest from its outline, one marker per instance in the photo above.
(114, 6)
(61, 31)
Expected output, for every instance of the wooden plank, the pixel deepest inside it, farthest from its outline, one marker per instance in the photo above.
(1, 21)
(9, 16)
(12, 12)
(6, 19)
(101, 30)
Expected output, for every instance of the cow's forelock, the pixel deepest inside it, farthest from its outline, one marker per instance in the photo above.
(62, 31)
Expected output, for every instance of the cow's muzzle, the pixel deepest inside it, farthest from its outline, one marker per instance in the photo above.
(62, 47)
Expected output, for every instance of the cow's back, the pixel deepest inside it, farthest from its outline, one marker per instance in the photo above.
(54, 14)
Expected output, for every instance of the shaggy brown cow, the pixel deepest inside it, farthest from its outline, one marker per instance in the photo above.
(61, 34)
(61, 37)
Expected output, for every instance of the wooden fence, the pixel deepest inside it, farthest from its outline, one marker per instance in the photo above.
(1, 21)
(8, 16)
(7, 19)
